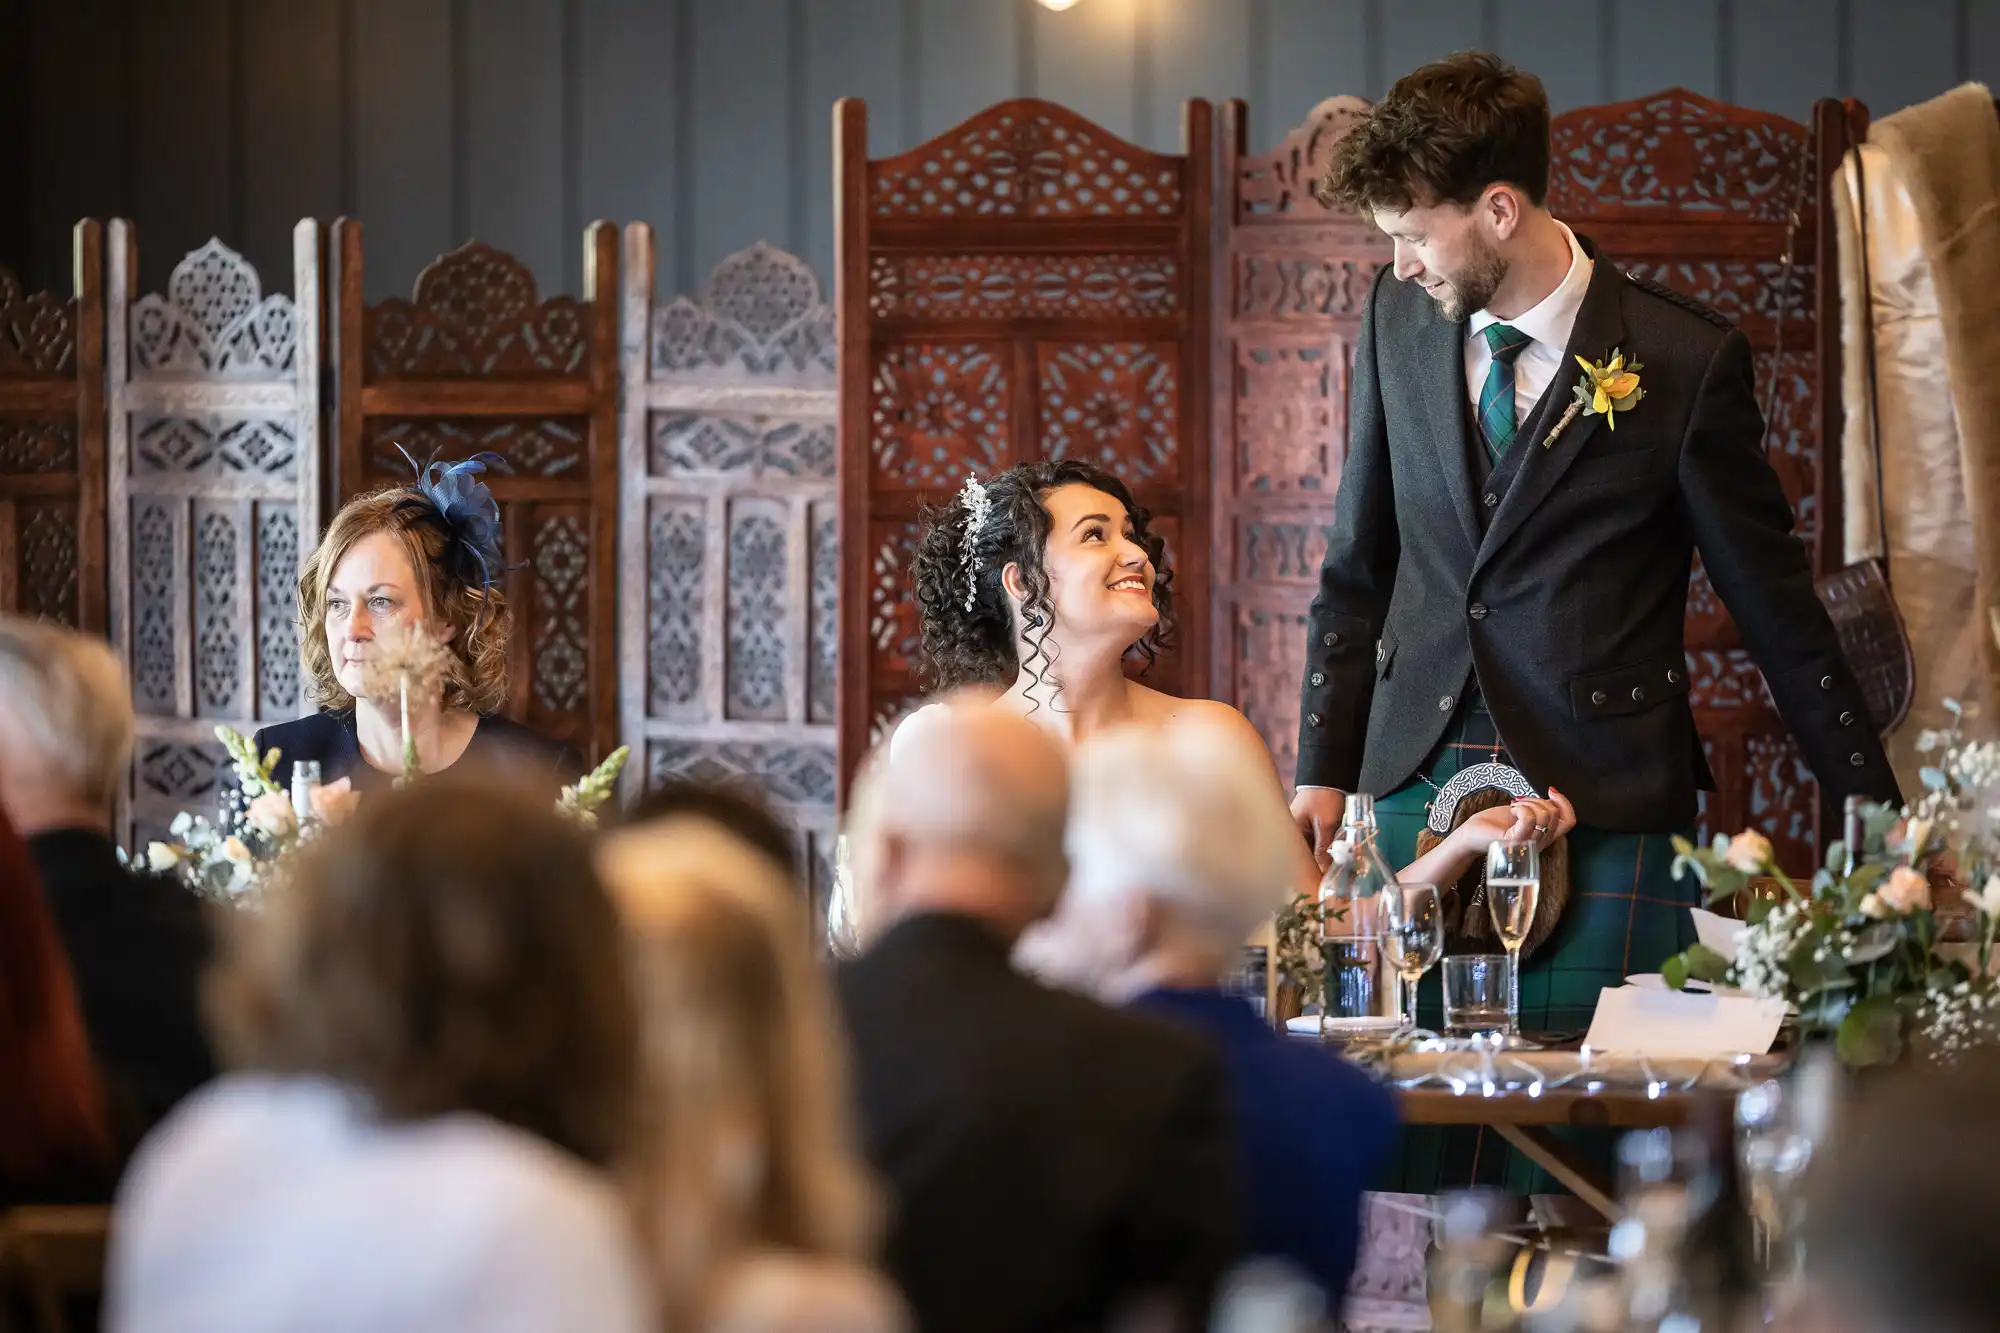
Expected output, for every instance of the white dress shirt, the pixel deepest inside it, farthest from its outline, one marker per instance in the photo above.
(281, 1205)
(1548, 323)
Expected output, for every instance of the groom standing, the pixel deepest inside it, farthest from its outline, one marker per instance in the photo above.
(1508, 566)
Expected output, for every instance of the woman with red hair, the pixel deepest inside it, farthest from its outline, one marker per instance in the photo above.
(55, 1137)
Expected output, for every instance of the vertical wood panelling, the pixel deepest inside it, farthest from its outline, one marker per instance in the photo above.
(514, 136)
(1807, 32)
(1982, 37)
(75, 156)
(291, 129)
(855, 50)
(1417, 31)
(1904, 51)
(179, 120)
(628, 136)
(742, 132)
(1086, 59)
(1194, 48)
(1561, 41)
(968, 57)
(402, 125)
(1668, 46)
(1313, 50)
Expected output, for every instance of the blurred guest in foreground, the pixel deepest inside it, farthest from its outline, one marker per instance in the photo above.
(406, 581)
(55, 1138)
(1054, 1164)
(1162, 894)
(439, 1051)
(1902, 1207)
(750, 1189)
(136, 943)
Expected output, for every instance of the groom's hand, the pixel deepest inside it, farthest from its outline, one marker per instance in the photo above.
(1317, 811)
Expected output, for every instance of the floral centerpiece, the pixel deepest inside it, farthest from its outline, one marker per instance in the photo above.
(1862, 950)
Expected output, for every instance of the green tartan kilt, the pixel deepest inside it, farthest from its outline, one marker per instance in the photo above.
(1625, 914)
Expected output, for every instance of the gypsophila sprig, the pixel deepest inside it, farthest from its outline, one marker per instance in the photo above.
(1862, 952)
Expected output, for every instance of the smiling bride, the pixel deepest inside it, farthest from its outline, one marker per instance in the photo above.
(1038, 588)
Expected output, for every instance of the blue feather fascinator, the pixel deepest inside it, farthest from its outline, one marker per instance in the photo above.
(453, 495)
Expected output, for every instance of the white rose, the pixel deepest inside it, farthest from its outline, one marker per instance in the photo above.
(234, 848)
(162, 856)
(1988, 898)
(1749, 852)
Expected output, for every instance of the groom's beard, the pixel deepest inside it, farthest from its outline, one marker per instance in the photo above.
(1473, 289)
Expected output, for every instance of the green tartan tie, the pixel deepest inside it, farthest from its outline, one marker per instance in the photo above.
(1496, 396)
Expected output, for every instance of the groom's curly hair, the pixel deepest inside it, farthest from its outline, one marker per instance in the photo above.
(1444, 133)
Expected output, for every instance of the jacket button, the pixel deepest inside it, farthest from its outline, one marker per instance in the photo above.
(1847, 718)
(1381, 653)
(1826, 682)
(1330, 639)
(1673, 677)
(1638, 694)
(1314, 718)
(1600, 698)
(1478, 611)
(1319, 677)
(1856, 759)
(1444, 704)
(1489, 499)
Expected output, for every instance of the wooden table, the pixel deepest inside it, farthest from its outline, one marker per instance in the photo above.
(1525, 1122)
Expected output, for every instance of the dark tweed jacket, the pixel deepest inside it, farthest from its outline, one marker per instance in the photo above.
(1566, 588)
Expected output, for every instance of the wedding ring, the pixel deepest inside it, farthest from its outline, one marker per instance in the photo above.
(1541, 828)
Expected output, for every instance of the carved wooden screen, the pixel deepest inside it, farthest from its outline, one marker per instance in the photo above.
(1026, 285)
(1698, 196)
(476, 361)
(52, 443)
(214, 501)
(1289, 293)
(728, 555)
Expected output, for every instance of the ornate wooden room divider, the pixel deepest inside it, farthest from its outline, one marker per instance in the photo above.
(1691, 193)
(1710, 200)
(477, 360)
(728, 551)
(52, 443)
(1290, 287)
(214, 500)
(1026, 285)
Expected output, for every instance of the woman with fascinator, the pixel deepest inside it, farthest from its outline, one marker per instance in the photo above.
(1041, 585)
(404, 586)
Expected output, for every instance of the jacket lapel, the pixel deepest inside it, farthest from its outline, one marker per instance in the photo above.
(1440, 363)
(1600, 326)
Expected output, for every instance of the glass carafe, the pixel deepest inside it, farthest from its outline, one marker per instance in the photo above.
(1361, 992)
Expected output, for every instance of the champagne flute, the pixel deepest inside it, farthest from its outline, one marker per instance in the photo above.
(1513, 888)
(1414, 938)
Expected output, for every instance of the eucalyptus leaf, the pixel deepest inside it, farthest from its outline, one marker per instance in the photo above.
(1675, 972)
(1759, 911)
(1933, 778)
(1705, 964)
(1871, 1033)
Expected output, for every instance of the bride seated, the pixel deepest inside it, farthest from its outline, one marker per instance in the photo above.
(1037, 588)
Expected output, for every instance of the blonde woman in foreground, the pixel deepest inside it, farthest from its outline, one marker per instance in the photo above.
(755, 1207)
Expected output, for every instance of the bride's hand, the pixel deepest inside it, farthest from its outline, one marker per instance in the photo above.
(1541, 818)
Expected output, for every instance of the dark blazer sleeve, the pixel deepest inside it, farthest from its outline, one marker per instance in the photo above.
(1742, 526)
(1183, 1226)
(1355, 580)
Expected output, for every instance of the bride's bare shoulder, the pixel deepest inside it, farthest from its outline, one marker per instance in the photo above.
(1153, 706)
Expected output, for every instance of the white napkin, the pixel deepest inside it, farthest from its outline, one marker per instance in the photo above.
(1669, 1023)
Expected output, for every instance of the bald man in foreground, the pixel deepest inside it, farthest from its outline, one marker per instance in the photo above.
(1053, 1164)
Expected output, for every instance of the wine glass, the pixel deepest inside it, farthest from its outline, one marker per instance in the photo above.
(1513, 888)
(1774, 1145)
(1414, 938)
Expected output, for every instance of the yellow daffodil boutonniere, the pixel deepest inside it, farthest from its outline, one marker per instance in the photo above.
(1606, 390)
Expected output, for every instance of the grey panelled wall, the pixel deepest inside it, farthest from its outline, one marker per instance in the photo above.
(518, 121)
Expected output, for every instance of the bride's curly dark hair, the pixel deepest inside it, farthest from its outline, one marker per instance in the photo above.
(976, 646)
